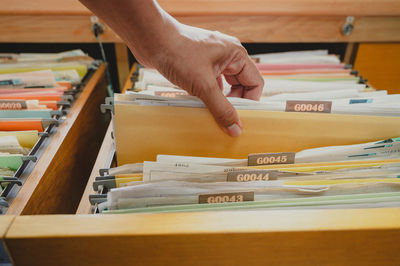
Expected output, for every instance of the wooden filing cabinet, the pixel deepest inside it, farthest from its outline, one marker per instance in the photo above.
(58, 178)
(301, 237)
(277, 237)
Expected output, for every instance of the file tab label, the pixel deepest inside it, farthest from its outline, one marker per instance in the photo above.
(170, 94)
(252, 175)
(12, 105)
(271, 158)
(227, 197)
(309, 106)
(255, 59)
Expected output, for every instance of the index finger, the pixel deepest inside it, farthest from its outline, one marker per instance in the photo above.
(245, 78)
(251, 79)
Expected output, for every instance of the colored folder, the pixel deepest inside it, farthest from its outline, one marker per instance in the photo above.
(25, 138)
(25, 124)
(142, 132)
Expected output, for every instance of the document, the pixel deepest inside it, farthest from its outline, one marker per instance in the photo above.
(42, 78)
(320, 137)
(383, 149)
(10, 144)
(26, 138)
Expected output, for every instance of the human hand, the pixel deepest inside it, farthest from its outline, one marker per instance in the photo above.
(195, 60)
(192, 58)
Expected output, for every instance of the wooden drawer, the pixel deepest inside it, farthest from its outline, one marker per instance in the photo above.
(301, 237)
(334, 237)
(277, 237)
(58, 178)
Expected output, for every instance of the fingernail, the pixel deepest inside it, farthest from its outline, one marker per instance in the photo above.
(240, 124)
(234, 130)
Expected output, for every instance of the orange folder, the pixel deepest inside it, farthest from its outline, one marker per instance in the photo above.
(50, 104)
(59, 90)
(65, 84)
(26, 96)
(20, 125)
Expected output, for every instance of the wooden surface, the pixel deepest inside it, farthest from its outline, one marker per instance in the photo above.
(380, 64)
(128, 83)
(5, 222)
(60, 175)
(250, 21)
(101, 161)
(300, 28)
(334, 237)
(63, 29)
(350, 53)
(218, 7)
(122, 58)
(247, 28)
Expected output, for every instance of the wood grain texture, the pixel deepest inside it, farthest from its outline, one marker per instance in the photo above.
(246, 28)
(279, 7)
(300, 28)
(380, 64)
(121, 55)
(350, 53)
(68, 29)
(5, 222)
(334, 237)
(101, 161)
(60, 175)
(219, 7)
(128, 83)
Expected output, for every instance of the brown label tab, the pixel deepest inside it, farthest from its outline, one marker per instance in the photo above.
(251, 175)
(12, 105)
(309, 106)
(170, 94)
(7, 59)
(227, 197)
(255, 59)
(271, 158)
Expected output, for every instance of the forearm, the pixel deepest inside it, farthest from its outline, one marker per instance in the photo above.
(193, 59)
(141, 24)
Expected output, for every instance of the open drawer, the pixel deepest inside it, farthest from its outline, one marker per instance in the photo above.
(331, 236)
(54, 184)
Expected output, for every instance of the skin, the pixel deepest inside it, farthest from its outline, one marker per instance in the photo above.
(191, 58)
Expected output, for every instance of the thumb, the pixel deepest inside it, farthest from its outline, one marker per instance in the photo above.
(222, 110)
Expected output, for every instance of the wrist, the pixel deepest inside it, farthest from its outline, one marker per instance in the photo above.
(156, 41)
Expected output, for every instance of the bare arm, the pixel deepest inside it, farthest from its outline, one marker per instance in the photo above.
(192, 58)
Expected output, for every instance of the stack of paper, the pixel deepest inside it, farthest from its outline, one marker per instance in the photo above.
(320, 137)
(326, 176)
(306, 76)
(35, 90)
(25, 62)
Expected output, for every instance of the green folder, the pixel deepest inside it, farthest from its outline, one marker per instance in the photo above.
(11, 161)
(292, 202)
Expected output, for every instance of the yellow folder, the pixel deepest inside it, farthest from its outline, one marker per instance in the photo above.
(142, 132)
(25, 138)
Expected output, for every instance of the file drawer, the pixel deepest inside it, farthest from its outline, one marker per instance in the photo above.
(277, 237)
(54, 184)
